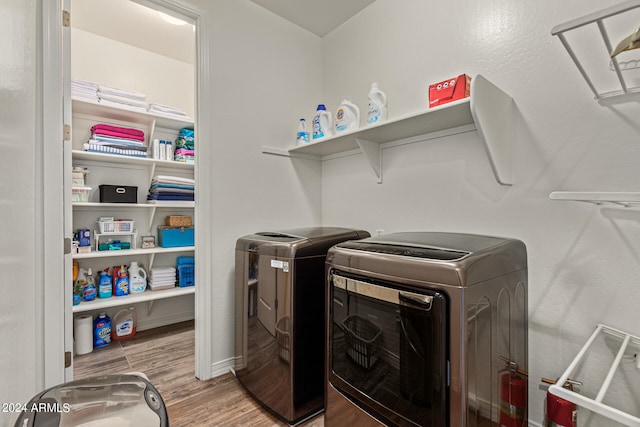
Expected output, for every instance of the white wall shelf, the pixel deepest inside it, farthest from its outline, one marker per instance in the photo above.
(133, 252)
(147, 296)
(596, 404)
(128, 160)
(89, 107)
(625, 199)
(598, 19)
(488, 108)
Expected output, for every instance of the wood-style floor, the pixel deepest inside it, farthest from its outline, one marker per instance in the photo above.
(166, 356)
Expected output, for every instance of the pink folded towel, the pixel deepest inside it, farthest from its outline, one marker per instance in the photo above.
(105, 132)
(129, 131)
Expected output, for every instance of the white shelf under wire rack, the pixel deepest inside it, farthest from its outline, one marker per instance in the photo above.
(598, 19)
(595, 404)
(618, 198)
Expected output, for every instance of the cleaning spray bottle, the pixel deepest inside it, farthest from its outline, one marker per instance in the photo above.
(120, 281)
(89, 291)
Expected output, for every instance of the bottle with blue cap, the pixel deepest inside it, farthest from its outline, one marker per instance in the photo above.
(303, 135)
(322, 123)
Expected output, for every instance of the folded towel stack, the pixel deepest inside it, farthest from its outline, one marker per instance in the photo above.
(166, 188)
(116, 140)
(185, 147)
(120, 98)
(166, 110)
(162, 278)
(82, 89)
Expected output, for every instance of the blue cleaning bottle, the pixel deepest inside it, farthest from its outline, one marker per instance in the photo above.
(102, 331)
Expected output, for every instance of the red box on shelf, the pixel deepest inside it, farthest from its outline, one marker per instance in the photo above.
(449, 90)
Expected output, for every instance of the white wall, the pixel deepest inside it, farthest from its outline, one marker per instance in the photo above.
(584, 260)
(266, 72)
(21, 309)
(109, 62)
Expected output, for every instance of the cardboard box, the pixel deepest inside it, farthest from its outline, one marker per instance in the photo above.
(449, 90)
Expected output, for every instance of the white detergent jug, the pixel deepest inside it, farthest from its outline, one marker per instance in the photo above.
(137, 278)
(377, 105)
(347, 116)
(322, 123)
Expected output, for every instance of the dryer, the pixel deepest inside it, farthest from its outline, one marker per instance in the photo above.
(427, 329)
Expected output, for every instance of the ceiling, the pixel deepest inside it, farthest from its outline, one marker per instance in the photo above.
(136, 25)
(319, 17)
(131, 23)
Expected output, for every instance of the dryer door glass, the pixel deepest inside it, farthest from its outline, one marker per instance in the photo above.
(388, 349)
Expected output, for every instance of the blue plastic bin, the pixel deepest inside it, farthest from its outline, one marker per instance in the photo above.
(171, 237)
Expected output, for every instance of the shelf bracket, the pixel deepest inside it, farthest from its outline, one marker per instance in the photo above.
(373, 152)
(492, 110)
(148, 307)
(152, 214)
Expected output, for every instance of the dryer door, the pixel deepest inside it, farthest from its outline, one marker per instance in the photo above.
(388, 349)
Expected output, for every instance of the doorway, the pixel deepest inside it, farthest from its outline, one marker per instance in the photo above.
(125, 45)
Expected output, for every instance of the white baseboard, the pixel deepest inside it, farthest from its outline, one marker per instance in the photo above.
(222, 367)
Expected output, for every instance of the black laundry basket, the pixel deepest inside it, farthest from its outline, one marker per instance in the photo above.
(115, 400)
(362, 339)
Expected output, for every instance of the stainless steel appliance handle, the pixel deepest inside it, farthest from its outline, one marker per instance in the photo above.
(382, 293)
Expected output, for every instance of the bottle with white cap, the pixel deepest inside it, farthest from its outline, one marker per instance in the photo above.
(377, 105)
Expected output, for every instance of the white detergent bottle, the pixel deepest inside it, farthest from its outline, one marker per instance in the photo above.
(321, 123)
(377, 105)
(347, 116)
(137, 278)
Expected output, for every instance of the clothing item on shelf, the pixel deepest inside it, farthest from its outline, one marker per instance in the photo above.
(171, 188)
(167, 110)
(185, 146)
(119, 140)
(83, 89)
(162, 278)
(117, 131)
(120, 98)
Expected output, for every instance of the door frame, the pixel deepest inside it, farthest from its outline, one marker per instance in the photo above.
(54, 319)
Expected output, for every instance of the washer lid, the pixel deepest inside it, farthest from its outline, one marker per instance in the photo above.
(433, 245)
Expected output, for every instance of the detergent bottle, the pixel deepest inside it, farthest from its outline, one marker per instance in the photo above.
(137, 278)
(124, 324)
(303, 135)
(377, 105)
(101, 331)
(347, 116)
(321, 123)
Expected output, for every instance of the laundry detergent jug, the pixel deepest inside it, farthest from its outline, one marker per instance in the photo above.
(137, 278)
(377, 105)
(321, 123)
(347, 116)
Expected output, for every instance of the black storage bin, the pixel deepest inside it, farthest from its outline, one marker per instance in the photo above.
(118, 194)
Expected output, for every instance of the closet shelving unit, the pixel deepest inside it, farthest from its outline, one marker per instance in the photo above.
(87, 112)
(624, 199)
(488, 110)
(598, 19)
(595, 404)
